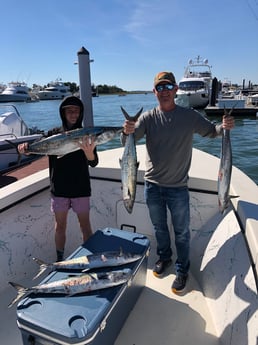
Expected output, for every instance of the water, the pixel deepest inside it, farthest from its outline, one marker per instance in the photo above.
(107, 112)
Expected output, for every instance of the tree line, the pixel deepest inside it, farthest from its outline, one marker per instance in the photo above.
(107, 89)
(99, 89)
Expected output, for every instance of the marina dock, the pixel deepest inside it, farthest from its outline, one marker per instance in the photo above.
(240, 112)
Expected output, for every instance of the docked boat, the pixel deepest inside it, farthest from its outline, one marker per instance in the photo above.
(253, 99)
(15, 92)
(194, 89)
(2, 87)
(55, 90)
(13, 131)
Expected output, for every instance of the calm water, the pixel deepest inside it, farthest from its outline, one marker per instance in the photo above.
(106, 110)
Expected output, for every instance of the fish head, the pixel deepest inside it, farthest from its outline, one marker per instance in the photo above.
(116, 277)
(128, 203)
(132, 257)
(101, 135)
(223, 204)
(121, 275)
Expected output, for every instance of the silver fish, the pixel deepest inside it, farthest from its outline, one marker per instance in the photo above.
(76, 284)
(225, 168)
(63, 143)
(129, 166)
(85, 263)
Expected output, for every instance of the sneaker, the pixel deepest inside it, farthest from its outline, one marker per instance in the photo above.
(160, 267)
(179, 283)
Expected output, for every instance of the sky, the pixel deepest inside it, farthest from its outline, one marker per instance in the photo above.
(129, 41)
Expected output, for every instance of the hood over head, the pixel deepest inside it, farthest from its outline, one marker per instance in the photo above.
(71, 100)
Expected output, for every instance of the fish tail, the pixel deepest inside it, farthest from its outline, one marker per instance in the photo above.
(16, 148)
(21, 291)
(43, 267)
(131, 118)
(226, 113)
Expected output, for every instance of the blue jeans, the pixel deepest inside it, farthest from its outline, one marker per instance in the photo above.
(158, 199)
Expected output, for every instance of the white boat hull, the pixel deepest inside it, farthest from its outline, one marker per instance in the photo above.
(15, 92)
(43, 95)
(189, 99)
(9, 157)
(13, 131)
(14, 98)
(56, 90)
(253, 99)
(220, 306)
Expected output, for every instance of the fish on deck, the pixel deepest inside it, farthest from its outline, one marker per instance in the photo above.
(89, 262)
(63, 143)
(225, 168)
(75, 285)
(129, 166)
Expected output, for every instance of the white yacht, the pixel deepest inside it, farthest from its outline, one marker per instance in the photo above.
(13, 131)
(55, 90)
(15, 92)
(253, 99)
(194, 88)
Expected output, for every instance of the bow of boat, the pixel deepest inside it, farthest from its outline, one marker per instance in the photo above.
(220, 303)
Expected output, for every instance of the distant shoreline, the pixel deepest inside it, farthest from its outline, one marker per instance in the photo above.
(125, 93)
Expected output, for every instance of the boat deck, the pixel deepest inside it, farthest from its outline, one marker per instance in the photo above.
(220, 302)
(23, 171)
(166, 317)
(156, 318)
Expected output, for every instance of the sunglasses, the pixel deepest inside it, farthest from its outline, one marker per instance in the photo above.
(162, 87)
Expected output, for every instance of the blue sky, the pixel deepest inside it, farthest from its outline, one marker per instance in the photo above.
(130, 41)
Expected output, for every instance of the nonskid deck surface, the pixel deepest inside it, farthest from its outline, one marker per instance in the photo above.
(159, 316)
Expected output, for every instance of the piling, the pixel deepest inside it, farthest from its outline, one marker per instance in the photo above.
(85, 86)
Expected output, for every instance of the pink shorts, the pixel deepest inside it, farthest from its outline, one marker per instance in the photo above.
(78, 205)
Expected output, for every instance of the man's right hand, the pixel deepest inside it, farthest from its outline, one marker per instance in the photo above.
(129, 127)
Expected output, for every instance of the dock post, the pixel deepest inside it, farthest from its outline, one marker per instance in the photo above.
(214, 92)
(85, 86)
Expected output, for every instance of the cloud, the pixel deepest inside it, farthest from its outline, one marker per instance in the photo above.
(148, 19)
(145, 17)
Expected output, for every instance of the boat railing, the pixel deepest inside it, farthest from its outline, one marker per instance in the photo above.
(8, 135)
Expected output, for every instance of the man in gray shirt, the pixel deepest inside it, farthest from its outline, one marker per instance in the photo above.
(169, 130)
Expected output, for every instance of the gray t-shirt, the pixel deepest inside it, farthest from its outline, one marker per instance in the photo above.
(169, 140)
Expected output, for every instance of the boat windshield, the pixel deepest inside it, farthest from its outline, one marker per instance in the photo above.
(22, 92)
(191, 85)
